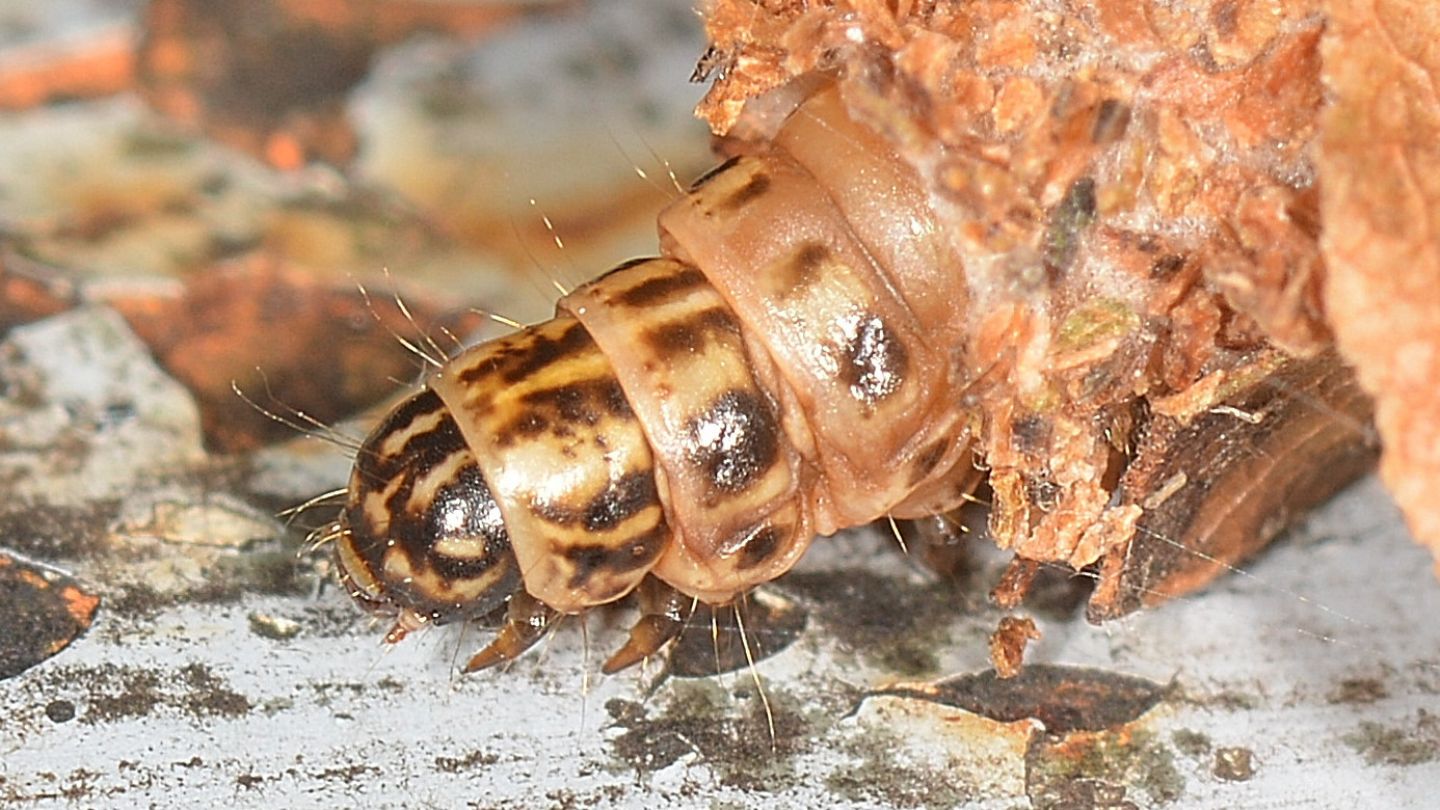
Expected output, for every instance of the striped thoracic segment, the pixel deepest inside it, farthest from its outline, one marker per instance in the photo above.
(686, 423)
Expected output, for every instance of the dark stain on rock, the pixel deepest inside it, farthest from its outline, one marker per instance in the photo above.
(727, 732)
(1396, 745)
(1191, 743)
(711, 642)
(345, 773)
(1066, 699)
(472, 761)
(1229, 700)
(891, 623)
(1358, 691)
(111, 693)
(1083, 794)
(58, 533)
(208, 695)
(875, 779)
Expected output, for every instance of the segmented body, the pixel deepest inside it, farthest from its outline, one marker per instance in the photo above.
(697, 417)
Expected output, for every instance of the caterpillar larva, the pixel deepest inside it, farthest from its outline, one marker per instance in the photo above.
(1054, 281)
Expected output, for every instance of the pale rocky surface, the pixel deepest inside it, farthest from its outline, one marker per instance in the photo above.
(217, 675)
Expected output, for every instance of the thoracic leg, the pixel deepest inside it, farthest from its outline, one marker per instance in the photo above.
(663, 613)
(526, 621)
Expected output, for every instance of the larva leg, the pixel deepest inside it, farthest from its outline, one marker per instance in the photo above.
(937, 540)
(663, 613)
(526, 621)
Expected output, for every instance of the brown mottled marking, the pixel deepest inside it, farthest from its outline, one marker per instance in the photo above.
(583, 402)
(614, 505)
(590, 561)
(713, 173)
(874, 362)
(928, 459)
(544, 352)
(734, 441)
(562, 409)
(416, 416)
(754, 188)
(804, 267)
(760, 546)
(659, 288)
(527, 356)
(691, 334)
(527, 425)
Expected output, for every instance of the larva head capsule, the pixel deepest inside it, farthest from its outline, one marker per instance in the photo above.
(422, 536)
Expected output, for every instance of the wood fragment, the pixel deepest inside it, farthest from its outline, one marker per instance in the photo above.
(1008, 642)
(1244, 481)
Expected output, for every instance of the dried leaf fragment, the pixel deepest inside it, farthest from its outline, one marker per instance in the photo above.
(42, 610)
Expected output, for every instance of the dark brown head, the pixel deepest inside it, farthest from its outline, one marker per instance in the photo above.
(422, 536)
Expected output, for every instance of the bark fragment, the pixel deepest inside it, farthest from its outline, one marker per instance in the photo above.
(1217, 487)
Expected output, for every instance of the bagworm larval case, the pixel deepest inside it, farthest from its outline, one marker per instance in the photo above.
(926, 267)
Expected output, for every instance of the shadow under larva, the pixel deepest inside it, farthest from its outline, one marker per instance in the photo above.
(832, 335)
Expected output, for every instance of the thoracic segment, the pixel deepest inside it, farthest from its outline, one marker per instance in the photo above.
(731, 479)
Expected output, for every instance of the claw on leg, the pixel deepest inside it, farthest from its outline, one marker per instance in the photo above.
(941, 543)
(526, 621)
(664, 612)
(406, 623)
